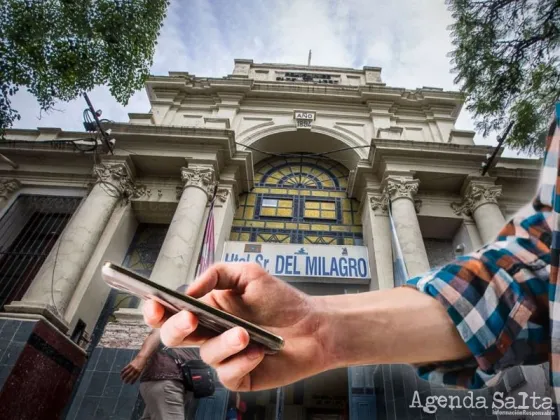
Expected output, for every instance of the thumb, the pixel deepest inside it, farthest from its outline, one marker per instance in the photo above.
(220, 276)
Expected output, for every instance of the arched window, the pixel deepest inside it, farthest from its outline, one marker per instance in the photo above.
(298, 200)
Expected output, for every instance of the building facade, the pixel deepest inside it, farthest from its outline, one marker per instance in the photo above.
(287, 157)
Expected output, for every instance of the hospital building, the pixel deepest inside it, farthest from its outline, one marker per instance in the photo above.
(327, 177)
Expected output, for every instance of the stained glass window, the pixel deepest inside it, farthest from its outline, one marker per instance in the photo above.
(298, 199)
(320, 209)
(276, 208)
(141, 257)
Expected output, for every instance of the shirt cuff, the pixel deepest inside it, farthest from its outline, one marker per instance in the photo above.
(489, 316)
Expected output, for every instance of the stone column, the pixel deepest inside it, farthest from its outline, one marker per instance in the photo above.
(401, 192)
(7, 188)
(53, 286)
(480, 200)
(179, 250)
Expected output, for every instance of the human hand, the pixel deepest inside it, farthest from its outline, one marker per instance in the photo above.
(131, 372)
(249, 292)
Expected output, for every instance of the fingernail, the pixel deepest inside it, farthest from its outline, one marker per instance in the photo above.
(253, 352)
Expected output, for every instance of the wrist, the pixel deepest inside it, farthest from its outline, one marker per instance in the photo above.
(326, 335)
(141, 358)
(351, 327)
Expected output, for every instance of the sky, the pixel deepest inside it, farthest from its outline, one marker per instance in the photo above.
(409, 39)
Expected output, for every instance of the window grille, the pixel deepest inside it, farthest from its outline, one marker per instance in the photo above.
(28, 231)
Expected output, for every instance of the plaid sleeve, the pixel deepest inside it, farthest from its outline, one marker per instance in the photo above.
(497, 298)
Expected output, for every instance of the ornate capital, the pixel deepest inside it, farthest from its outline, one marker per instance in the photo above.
(117, 181)
(400, 187)
(8, 186)
(201, 177)
(380, 203)
(476, 195)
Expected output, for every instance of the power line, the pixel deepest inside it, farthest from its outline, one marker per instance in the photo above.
(488, 163)
(96, 114)
(307, 154)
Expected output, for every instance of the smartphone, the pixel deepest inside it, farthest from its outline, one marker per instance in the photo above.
(208, 317)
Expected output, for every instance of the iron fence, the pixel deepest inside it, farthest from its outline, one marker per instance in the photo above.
(28, 231)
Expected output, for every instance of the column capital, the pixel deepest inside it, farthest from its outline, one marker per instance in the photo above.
(8, 186)
(198, 176)
(476, 194)
(401, 187)
(116, 178)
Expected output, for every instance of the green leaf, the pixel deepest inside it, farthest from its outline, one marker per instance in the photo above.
(505, 60)
(59, 49)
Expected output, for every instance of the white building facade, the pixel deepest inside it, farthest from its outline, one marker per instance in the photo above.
(291, 159)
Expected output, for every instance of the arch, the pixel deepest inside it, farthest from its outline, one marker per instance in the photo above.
(262, 137)
(300, 179)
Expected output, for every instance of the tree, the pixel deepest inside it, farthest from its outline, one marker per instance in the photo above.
(59, 49)
(506, 60)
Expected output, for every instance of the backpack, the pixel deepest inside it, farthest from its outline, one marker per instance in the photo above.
(197, 376)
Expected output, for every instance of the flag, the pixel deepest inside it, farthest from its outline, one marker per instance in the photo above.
(208, 246)
(400, 273)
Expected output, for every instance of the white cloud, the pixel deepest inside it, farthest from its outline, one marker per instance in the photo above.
(407, 38)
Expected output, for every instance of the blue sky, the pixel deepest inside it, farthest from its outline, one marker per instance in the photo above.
(407, 38)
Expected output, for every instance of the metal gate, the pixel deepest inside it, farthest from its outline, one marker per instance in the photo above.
(28, 231)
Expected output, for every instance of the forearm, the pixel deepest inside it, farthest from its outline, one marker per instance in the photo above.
(150, 345)
(400, 325)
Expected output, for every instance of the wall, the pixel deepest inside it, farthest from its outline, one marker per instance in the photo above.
(101, 393)
(463, 237)
(381, 234)
(367, 215)
(351, 120)
(38, 369)
(440, 251)
(224, 214)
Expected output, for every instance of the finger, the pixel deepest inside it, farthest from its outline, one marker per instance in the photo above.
(235, 373)
(127, 378)
(218, 276)
(154, 313)
(217, 349)
(124, 373)
(176, 329)
(127, 369)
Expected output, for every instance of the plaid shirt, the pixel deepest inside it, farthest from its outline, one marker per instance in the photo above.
(504, 298)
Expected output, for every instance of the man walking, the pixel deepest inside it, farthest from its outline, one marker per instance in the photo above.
(161, 380)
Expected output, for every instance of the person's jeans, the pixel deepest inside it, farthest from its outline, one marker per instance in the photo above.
(165, 400)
